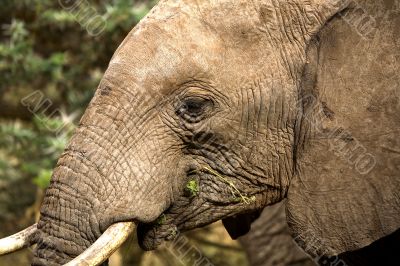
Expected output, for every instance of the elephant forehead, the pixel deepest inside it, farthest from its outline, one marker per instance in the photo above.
(164, 53)
(186, 41)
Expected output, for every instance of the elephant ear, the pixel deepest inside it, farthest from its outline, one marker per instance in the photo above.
(345, 193)
(240, 225)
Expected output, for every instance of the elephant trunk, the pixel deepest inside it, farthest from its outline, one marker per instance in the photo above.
(102, 178)
(68, 224)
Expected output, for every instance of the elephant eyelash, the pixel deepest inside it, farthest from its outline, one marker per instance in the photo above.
(194, 109)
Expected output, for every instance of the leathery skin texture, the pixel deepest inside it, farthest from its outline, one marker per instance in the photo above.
(210, 110)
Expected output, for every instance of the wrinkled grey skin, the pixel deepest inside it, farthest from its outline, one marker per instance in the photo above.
(218, 85)
(269, 241)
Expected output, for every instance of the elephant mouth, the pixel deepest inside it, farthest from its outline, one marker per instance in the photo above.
(152, 235)
(208, 197)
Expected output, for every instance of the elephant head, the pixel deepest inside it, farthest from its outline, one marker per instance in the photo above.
(196, 119)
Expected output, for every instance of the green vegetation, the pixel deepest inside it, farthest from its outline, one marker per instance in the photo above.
(45, 47)
(236, 194)
(173, 233)
(161, 220)
(192, 188)
(29, 150)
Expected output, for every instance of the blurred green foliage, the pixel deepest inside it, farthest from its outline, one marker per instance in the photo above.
(30, 150)
(45, 46)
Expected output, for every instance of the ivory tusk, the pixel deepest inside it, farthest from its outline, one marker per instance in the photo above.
(105, 246)
(17, 241)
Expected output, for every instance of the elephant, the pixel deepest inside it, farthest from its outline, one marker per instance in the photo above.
(269, 241)
(213, 110)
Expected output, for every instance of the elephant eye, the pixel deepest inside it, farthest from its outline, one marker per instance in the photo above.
(194, 109)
